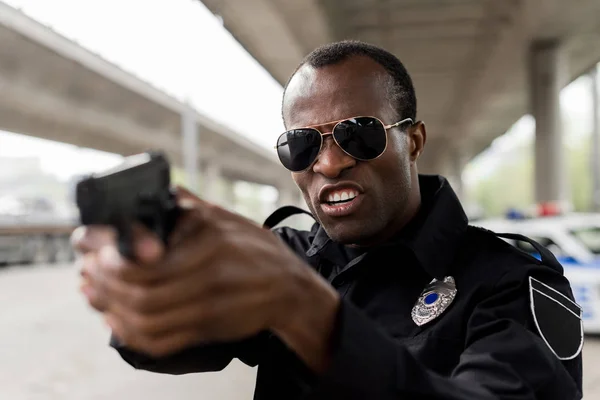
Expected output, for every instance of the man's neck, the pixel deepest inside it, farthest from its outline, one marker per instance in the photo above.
(399, 223)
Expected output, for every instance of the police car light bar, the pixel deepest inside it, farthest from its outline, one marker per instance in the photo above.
(546, 209)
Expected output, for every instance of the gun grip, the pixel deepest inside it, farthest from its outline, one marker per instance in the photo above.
(158, 215)
(125, 241)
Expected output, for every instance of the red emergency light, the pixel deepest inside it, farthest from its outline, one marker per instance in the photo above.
(548, 209)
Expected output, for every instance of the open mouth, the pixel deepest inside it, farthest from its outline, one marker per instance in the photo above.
(341, 200)
(341, 197)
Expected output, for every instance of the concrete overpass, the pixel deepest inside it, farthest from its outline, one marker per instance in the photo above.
(478, 65)
(52, 88)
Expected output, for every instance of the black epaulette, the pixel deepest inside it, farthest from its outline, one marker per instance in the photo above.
(546, 256)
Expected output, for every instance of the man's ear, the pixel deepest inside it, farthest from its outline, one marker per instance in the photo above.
(417, 136)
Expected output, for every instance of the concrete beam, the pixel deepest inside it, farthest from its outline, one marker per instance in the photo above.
(46, 37)
(471, 29)
(296, 14)
(75, 57)
(498, 58)
(418, 11)
(57, 118)
(284, 50)
(18, 95)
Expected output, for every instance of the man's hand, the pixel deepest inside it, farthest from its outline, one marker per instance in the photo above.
(223, 278)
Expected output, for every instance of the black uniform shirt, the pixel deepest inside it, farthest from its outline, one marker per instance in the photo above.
(512, 331)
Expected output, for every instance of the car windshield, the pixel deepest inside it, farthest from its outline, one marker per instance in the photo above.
(590, 237)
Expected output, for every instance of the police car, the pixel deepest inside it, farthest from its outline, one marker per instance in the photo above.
(574, 239)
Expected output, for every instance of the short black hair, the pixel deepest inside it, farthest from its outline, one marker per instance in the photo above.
(402, 92)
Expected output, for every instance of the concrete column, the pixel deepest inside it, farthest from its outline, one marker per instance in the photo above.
(229, 199)
(210, 183)
(595, 153)
(547, 78)
(189, 133)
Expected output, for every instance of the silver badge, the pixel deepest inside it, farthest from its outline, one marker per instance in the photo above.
(434, 300)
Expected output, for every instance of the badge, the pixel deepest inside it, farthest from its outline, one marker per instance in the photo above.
(558, 320)
(434, 300)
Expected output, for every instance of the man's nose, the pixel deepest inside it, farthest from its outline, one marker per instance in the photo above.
(332, 160)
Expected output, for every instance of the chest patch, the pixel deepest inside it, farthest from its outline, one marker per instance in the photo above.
(558, 320)
(434, 300)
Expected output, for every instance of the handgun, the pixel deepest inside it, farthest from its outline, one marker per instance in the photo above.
(136, 191)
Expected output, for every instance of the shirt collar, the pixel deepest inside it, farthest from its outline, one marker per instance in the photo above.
(433, 236)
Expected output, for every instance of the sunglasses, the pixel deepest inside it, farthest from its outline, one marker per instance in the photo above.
(363, 138)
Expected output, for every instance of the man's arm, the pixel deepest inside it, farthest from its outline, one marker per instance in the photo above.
(201, 358)
(504, 356)
(209, 357)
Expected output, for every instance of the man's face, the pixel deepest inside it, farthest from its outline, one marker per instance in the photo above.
(354, 87)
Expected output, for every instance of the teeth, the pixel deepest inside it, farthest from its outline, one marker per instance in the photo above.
(342, 196)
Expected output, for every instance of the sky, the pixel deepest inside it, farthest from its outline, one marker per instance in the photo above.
(177, 45)
(182, 48)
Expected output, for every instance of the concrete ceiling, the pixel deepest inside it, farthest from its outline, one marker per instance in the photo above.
(468, 58)
(54, 89)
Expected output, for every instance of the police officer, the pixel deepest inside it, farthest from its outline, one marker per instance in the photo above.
(391, 295)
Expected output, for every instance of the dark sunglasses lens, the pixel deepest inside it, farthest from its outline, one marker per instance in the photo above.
(298, 148)
(362, 137)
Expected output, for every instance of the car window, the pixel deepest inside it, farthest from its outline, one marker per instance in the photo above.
(590, 237)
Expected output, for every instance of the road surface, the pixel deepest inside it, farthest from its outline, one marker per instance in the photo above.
(53, 347)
